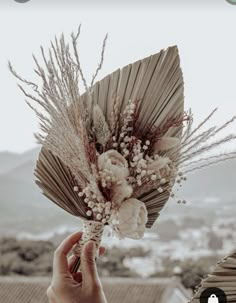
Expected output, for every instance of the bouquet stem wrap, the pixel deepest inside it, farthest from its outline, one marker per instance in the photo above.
(92, 231)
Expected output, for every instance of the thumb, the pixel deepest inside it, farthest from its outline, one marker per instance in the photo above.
(88, 264)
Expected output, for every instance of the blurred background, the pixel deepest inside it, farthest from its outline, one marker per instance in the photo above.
(187, 239)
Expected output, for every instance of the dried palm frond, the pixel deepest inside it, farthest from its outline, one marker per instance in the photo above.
(223, 278)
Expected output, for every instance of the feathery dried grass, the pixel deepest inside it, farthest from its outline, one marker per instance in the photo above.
(198, 146)
(61, 113)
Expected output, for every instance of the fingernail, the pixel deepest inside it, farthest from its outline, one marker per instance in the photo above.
(91, 246)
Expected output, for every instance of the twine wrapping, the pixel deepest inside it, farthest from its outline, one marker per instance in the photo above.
(92, 231)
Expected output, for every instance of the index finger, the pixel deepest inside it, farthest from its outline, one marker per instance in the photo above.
(60, 263)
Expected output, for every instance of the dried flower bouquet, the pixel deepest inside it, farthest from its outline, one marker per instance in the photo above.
(112, 154)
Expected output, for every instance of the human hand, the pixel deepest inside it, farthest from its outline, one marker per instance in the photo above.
(80, 287)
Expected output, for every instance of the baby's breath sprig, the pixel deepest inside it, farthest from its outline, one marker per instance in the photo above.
(122, 137)
(97, 208)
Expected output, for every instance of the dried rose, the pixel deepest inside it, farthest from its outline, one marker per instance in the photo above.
(132, 217)
(114, 162)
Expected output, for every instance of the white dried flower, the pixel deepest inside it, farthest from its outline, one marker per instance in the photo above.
(132, 216)
(91, 204)
(115, 163)
(153, 177)
(89, 213)
(99, 216)
(143, 173)
(132, 106)
(139, 182)
(163, 181)
(100, 209)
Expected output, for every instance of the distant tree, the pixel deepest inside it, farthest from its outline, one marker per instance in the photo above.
(190, 272)
(190, 279)
(112, 263)
(28, 258)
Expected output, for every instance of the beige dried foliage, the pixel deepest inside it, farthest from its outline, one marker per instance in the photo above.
(101, 128)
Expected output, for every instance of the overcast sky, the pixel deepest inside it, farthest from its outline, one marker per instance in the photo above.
(203, 30)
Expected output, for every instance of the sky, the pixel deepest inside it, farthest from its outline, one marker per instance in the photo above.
(204, 32)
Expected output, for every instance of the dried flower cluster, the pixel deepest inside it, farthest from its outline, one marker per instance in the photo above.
(113, 162)
(124, 164)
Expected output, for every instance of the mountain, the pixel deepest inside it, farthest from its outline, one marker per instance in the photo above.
(10, 161)
(24, 171)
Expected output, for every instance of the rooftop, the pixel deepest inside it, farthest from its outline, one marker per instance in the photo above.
(125, 290)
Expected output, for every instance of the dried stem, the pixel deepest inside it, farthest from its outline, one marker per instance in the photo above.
(101, 61)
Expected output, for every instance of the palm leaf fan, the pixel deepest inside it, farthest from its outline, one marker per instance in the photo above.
(222, 281)
(112, 154)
